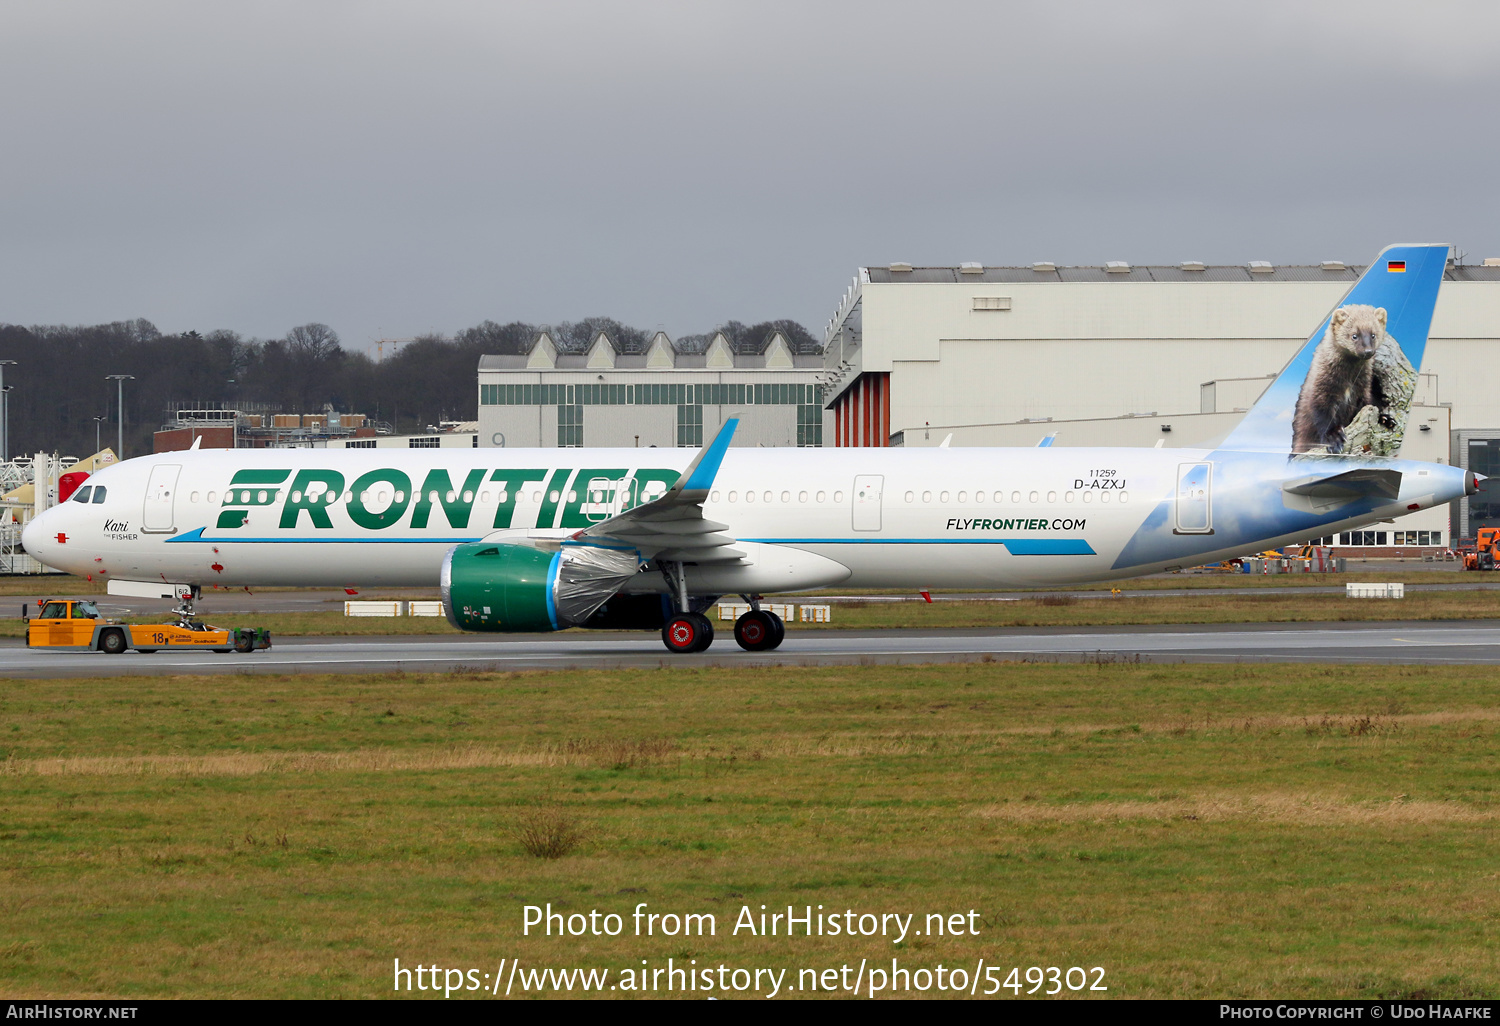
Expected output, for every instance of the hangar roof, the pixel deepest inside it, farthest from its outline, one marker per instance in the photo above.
(1148, 272)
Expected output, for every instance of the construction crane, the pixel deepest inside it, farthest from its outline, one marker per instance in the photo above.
(381, 343)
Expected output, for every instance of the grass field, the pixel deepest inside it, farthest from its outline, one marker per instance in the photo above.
(1196, 830)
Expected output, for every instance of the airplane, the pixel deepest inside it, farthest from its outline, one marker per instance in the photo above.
(524, 540)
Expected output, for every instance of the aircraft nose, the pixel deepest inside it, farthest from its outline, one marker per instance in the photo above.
(33, 535)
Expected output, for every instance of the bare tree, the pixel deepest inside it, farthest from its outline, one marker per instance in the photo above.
(313, 342)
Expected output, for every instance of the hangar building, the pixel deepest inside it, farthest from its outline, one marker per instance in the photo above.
(1123, 354)
(661, 397)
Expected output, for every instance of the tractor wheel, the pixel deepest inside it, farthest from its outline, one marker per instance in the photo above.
(243, 642)
(112, 642)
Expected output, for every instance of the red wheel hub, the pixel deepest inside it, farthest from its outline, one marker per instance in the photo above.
(682, 634)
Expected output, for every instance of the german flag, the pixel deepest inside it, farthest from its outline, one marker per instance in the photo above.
(1395, 266)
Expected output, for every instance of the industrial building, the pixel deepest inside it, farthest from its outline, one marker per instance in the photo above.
(1120, 354)
(662, 397)
(256, 426)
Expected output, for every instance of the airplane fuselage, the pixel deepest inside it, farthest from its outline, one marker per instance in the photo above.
(898, 518)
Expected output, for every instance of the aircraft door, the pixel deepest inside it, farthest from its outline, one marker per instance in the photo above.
(866, 497)
(1195, 498)
(157, 517)
(605, 497)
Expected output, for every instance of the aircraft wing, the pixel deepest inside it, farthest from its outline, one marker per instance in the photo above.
(673, 527)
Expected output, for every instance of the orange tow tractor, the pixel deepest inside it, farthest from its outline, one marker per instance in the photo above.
(75, 624)
(1486, 552)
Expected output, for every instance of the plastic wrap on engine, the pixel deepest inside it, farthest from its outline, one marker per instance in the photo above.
(587, 576)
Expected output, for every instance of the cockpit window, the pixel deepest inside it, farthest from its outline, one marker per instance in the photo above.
(85, 611)
(55, 611)
(99, 495)
(82, 495)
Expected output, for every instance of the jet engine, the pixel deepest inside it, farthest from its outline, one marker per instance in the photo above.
(505, 587)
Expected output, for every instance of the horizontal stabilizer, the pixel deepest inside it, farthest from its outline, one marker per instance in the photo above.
(1320, 494)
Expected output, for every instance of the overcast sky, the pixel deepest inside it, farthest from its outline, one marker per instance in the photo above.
(394, 168)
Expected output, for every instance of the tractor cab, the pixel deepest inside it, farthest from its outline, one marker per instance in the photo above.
(66, 622)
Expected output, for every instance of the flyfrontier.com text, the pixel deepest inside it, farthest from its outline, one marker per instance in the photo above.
(767, 922)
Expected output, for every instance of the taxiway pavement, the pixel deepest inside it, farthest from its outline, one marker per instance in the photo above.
(1413, 643)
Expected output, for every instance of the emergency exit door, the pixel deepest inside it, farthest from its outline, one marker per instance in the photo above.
(161, 488)
(1195, 511)
(866, 497)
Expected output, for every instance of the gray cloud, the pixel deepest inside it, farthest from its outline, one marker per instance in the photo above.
(402, 167)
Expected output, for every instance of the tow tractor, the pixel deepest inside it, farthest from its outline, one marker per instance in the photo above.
(76, 625)
(1486, 552)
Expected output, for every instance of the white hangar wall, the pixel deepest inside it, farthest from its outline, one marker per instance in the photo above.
(1079, 350)
(1106, 355)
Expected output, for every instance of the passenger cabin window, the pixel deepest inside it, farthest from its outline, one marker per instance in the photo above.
(82, 495)
(98, 495)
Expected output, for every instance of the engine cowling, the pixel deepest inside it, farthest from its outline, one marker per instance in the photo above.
(490, 586)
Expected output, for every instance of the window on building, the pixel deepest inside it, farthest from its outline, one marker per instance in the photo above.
(809, 426)
(569, 426)
(424, 442)
(1484, 506)
(360, 443)
(689, 425)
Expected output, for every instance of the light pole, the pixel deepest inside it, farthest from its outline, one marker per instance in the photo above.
(97, 422)
(4, 413)
(120, 380)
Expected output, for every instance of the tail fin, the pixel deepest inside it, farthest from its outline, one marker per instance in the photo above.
(1397, 292)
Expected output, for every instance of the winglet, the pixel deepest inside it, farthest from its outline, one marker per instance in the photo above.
(700, 474)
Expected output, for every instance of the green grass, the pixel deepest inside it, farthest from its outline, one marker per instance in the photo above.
(1197, 830)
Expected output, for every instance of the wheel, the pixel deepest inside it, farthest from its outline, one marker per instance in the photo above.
(687, 632)
(755, 631)
(780, 627)
(112, 642)
(243, 643)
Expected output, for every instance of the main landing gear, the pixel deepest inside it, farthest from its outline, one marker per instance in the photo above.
(759, 630)
(687, 631)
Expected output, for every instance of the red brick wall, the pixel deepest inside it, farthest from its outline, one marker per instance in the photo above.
(178, 439)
